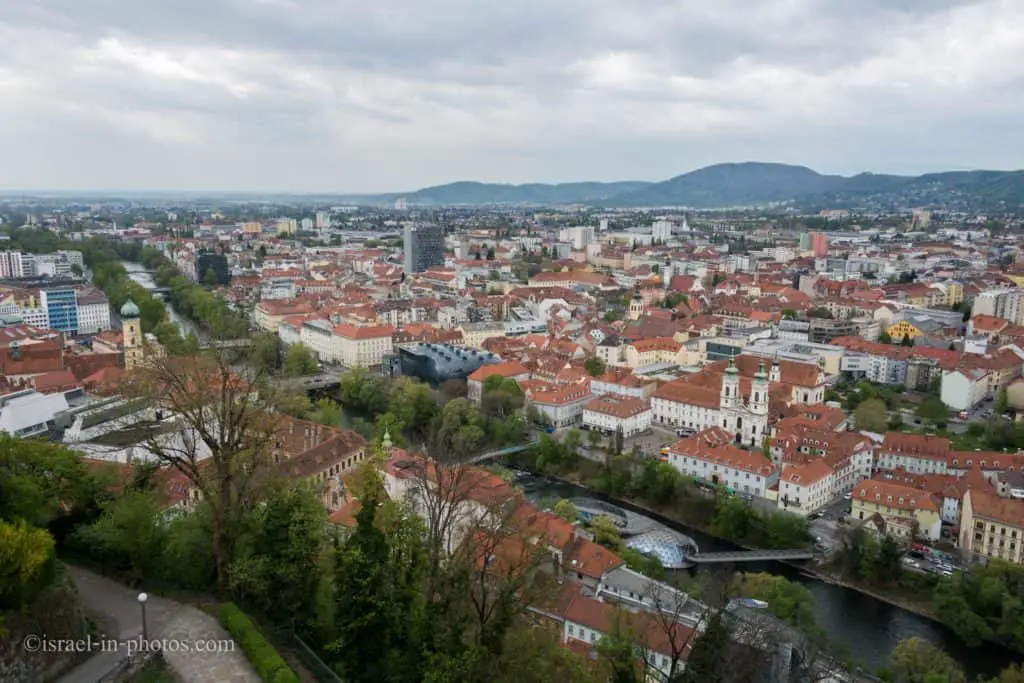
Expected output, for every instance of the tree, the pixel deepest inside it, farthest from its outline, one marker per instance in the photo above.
(566, 510)
(606, 533)
(363, 392)
(413, 404)
(708, 660)
(27, 563)
(884, 338)
(454, 388)
(907, 341)
(820, 312)
(595, 367)
(282, 567)
(1002, 403)
(76, 269)
(612, 316)
(299, 361)
(210, 279)
(371, 613)
(1011, 674)
(130, 534)
(326, 412)
(594, 438)
(789, 313)
(788, 600)
(229, 432)
(264, 353)
(933, 410)
(871, 415)
(915, 660)
(490, 253)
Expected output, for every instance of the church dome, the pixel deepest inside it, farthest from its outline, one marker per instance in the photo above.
(129, 310)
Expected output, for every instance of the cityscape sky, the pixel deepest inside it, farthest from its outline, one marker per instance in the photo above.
(392, 95)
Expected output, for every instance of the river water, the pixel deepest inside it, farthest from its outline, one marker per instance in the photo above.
(869, 628)
(137, 272)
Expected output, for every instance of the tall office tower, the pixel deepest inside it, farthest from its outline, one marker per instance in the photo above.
(424, 247)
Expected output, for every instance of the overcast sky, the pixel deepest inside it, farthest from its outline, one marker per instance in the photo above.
(380, 95)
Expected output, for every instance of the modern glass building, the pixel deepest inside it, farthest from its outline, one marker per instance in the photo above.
(62, 308)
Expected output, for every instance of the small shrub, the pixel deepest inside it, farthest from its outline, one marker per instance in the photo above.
(265, 659)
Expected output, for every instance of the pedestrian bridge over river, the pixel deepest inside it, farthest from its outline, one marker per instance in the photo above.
(750, 556)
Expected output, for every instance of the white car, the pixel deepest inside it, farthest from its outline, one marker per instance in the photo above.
(847, 496)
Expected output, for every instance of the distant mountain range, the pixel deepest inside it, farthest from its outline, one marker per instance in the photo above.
(747, 184)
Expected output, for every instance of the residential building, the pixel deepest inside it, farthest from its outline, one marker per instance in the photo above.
(362, 346)
(15, 264)
(992, 527)
(612, 413)
(508, 369)
(93, 312)
(806, 487)
(897, 510)
(424, 247)
(819, 244)
(711, 457)
(559, 405)
(269, 314)
(916, 453)
(475, 334)
(964, 389)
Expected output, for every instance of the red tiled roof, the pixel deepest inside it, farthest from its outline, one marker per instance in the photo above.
(883, 492)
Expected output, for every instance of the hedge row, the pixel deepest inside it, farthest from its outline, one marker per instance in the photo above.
(266, 660)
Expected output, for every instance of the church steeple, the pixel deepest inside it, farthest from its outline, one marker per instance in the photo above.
(730, 396)
(759, 391)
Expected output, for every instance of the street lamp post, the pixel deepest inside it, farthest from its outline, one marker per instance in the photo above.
(142, 603)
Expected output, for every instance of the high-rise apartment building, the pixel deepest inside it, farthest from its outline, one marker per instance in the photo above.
(819, 244)
(15, 264)
(323, 220)
(424, 247)
(287, 226)
(579, 236)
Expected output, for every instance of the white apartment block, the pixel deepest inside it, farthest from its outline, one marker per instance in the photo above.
(15, 264)
(612, 413)
(561, 406)
(318, 337)
(806, 487)
(362, 346)
(711, 457)
(93, 317)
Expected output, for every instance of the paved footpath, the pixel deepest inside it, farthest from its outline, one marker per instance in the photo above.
(115, 607)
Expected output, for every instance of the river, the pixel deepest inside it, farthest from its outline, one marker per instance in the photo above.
(138, 272)
(868, 627)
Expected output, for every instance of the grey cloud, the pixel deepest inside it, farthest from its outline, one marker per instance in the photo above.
(399, 93)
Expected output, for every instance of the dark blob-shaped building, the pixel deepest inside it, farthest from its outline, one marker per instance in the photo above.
(436, 363)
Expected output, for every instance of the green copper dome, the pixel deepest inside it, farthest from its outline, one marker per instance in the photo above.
(129, 310)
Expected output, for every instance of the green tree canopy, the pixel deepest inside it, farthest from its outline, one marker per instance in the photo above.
(871, 415)
(299, 361)
(595, 366)
(915, 660)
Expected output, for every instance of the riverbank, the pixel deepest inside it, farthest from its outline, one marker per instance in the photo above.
(866, 621)
(838, 580)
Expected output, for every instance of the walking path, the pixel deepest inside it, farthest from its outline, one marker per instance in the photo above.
(115, 607)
